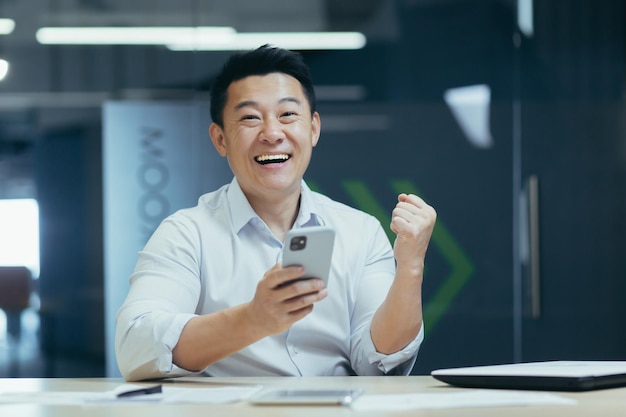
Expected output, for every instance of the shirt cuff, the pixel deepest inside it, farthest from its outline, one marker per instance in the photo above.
(170, 338)
(397, 363)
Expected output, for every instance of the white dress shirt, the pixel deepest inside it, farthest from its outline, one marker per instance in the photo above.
(210, 257)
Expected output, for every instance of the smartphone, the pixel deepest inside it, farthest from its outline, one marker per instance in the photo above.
(306, 396)
(311, 247)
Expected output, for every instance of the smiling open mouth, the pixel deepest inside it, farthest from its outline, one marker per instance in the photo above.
(272, 159)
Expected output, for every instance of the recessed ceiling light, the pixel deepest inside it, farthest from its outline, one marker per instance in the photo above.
(6, 26)
(4, 68)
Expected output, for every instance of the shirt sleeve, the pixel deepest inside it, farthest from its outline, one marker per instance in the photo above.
(398, 363)
(163, 295)
(377, 277)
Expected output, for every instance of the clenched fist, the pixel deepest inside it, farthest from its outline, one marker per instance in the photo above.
(412, 220)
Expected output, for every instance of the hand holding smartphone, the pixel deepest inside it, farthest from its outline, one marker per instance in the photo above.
(311, 247)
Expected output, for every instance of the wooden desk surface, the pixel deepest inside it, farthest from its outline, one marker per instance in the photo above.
(605, 403)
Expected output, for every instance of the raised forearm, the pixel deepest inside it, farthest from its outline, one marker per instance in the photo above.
(398, 320)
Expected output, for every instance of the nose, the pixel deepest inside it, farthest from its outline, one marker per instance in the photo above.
(271, 131)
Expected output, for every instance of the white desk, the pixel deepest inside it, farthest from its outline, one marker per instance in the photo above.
(604, 403)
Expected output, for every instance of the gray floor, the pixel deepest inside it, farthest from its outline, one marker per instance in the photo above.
(21, 355)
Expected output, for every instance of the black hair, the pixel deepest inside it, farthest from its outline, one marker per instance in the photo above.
(261, 61)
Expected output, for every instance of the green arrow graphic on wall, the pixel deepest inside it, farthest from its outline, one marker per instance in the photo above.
(461, 268)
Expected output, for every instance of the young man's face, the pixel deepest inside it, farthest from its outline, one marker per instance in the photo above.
(268, 134)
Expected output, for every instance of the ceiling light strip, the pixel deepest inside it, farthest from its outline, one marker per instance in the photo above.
(205, 38)
(128, 35)
(287, 40)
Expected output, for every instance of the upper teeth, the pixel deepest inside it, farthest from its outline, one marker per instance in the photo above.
(264, 158)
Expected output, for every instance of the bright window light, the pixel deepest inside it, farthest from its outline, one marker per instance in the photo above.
(6, 26)
(19, 234)
(128, 35)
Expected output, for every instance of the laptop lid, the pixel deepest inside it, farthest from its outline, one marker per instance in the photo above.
(547, 376)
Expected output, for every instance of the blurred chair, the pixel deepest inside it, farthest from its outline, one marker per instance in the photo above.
(16, 284)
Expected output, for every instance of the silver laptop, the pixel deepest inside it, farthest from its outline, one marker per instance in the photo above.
(547, 376)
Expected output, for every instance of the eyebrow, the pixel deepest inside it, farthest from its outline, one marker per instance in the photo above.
(252, 103)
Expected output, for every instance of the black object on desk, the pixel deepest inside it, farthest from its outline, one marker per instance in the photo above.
(545, 376)
(156, 389)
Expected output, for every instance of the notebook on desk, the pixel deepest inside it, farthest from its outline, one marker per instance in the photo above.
(547, 376)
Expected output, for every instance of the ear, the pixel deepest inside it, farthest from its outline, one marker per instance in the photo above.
(217, 137)
(316, 125)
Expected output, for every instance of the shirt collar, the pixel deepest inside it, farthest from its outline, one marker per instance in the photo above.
(309, 214)
(242, 212)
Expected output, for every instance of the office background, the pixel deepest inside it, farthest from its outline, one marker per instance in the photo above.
(507, 116)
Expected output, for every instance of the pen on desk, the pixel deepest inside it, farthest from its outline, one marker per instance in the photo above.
(141, 391)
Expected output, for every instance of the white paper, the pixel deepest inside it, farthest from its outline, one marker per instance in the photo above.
(170, 395)
(457, 399)
(220, 395)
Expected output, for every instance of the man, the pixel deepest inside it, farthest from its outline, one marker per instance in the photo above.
(206, 294)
